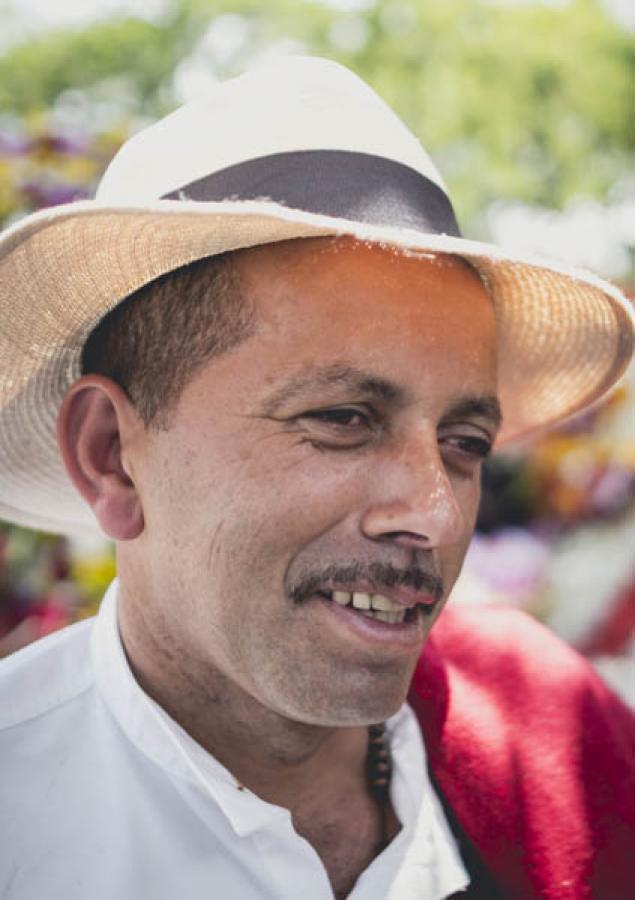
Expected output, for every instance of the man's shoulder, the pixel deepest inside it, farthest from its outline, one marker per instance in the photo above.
(46, 675)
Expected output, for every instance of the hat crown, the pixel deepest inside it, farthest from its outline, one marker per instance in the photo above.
(290, 104)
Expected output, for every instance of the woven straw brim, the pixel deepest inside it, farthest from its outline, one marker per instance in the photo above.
(565, 336)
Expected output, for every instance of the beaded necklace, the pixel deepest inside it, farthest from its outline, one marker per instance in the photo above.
(378, 775)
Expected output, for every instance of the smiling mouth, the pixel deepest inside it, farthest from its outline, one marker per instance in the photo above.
(377, 606)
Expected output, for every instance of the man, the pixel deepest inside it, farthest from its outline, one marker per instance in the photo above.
(282, 427)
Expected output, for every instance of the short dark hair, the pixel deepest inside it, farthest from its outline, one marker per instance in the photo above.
(153, 342)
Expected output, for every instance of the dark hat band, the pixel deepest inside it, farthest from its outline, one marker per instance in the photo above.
(338, 183)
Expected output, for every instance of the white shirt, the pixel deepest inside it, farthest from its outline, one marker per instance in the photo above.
(102, 795)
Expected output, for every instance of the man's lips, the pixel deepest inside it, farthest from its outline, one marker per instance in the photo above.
(398, 630)
(377, 594)
(393, 607)
(414, 586)
(400, 597)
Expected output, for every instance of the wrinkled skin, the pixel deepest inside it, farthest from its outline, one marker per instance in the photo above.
(273, 470)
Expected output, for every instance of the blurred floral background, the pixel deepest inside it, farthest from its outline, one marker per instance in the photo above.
(528, 107)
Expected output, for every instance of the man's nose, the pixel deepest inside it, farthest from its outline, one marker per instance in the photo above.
(413, 501)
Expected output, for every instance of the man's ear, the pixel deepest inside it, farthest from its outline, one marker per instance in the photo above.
(94, 425)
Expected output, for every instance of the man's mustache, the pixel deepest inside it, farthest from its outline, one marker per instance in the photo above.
(379, 574)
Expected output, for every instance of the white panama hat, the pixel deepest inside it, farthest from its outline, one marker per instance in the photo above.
(298, 148)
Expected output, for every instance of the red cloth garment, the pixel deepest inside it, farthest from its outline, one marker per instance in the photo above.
(533, 754)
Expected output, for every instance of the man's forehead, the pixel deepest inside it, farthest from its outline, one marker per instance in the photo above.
(341, 314)
(333, 272)
(313, 250)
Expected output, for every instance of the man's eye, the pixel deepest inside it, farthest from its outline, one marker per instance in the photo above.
(470, 445)
(342, 415)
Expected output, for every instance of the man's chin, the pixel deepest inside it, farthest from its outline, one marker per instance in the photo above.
(348, 709)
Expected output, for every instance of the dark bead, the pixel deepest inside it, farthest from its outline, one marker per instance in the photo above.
(378, 772)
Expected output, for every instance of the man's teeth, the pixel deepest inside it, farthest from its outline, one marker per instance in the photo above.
(376, 606)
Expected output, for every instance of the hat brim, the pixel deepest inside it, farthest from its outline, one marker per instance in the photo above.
(565, 336)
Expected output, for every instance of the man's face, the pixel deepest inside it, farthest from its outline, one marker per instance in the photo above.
(338, 449)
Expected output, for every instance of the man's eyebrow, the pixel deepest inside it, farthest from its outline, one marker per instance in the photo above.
(369, 385)
(485, 406)
(364, 383)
